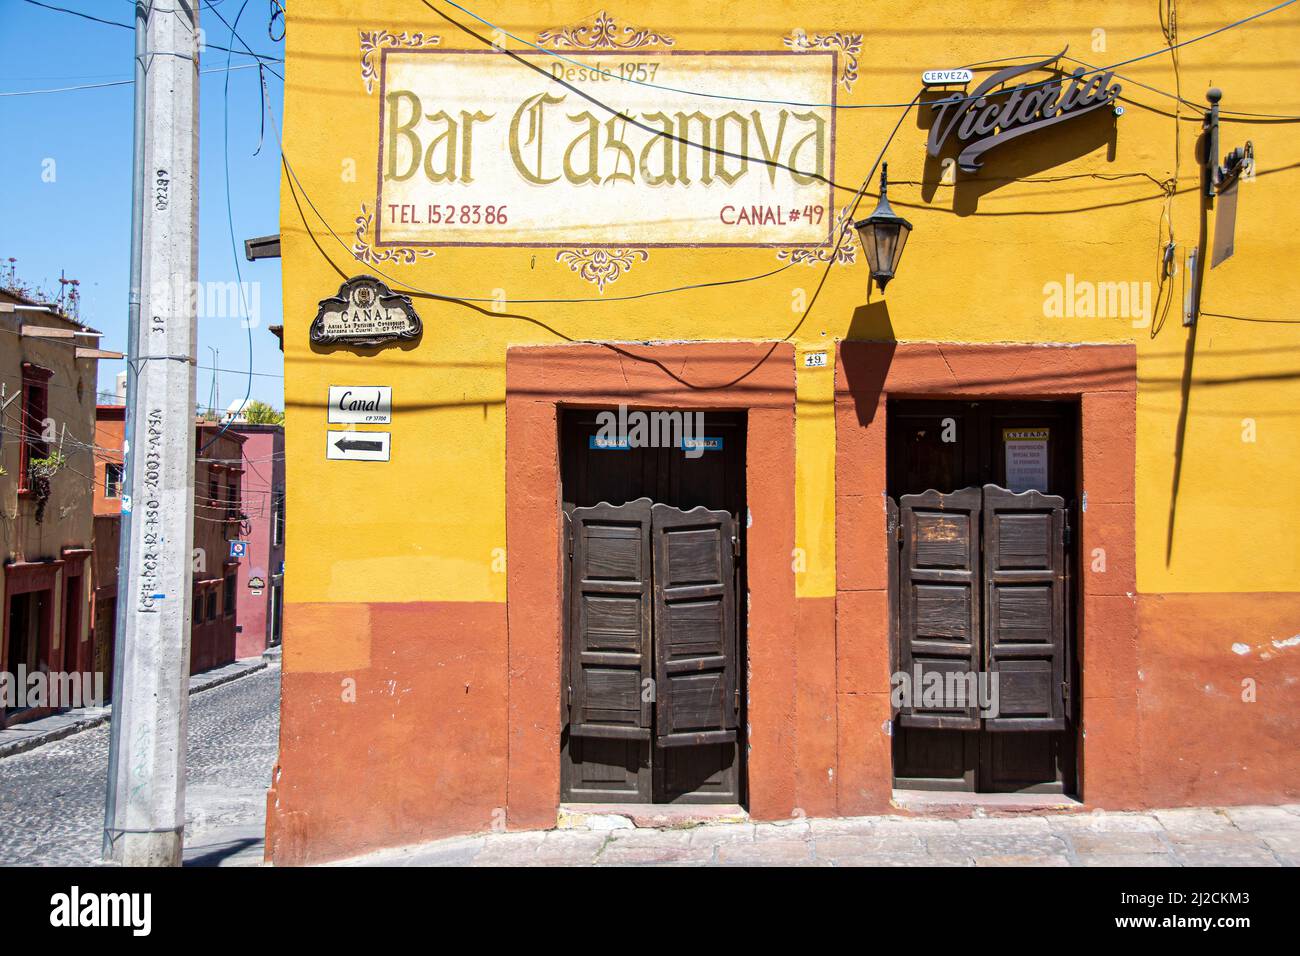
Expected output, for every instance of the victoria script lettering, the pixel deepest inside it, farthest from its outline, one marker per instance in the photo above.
(989, 117)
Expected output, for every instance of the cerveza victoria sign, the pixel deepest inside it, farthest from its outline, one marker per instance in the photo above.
(477, 148)
(993, 114)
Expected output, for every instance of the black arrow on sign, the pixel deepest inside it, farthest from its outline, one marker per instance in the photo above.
(344, 445)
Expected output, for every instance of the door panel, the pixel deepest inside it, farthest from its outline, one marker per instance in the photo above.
(605, 770)
(1024, 612)
(694, 626)
(927, 759)
(938, 605)
(704, 774)
(609, 607)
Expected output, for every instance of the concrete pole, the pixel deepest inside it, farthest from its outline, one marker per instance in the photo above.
(145, 811)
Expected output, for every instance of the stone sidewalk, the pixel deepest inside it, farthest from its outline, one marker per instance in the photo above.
(1235, 836)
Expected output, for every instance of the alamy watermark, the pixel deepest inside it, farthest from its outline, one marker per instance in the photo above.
(210, 300)
(75, 908)
(1083, 299)
(56, 689)
(636, 429)
(944, 690)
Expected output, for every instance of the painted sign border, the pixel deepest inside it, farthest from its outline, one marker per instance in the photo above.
(831, 216)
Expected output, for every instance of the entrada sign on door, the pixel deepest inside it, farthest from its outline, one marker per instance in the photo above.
(361, 405)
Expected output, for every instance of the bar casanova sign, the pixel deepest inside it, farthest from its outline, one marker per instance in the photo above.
(480, 149)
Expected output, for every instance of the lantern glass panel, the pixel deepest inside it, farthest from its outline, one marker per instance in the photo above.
(903, 233)
(886, 241)
(868, 235)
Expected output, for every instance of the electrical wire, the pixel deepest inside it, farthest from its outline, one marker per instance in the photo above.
(128, 26)
(230, 217)
(841, 106)
(100, 86)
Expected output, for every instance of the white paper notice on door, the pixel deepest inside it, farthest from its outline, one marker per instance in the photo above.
(1026, 458)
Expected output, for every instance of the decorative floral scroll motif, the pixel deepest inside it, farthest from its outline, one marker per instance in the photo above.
(602, 33)
(365, 252)
(601, 265)
(849, 44)
(846, 253)
(373, 40)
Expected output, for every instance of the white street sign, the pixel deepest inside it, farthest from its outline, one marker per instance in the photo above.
(361, 405)
(946, 77)
(357, 446)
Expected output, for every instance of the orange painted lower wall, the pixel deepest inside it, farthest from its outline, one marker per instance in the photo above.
(816, 709)
(1201, 743)
(416, 749)
(418, 754)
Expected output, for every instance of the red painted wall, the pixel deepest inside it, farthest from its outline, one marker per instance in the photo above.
(264, 475)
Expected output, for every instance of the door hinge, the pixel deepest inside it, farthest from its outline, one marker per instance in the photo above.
(735, 546)
(736, 702)
(1066, 535)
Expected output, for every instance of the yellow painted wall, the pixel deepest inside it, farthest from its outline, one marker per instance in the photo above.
(425, 525)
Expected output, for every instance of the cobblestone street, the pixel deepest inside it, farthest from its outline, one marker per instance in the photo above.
(52, 798)
(1242, 836)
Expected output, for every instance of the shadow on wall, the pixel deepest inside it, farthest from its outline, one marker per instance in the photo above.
(865, 371)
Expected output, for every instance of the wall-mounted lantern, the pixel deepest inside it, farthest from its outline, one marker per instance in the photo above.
(884, 234)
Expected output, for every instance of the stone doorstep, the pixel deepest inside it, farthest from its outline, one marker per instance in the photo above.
(37, 733)
(956, 805)
(627, 816)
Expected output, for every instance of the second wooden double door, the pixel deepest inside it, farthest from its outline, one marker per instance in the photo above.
(982, 580)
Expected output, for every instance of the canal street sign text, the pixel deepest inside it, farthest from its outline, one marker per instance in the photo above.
(360, 405)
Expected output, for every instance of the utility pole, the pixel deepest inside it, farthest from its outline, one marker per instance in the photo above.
(144, 816)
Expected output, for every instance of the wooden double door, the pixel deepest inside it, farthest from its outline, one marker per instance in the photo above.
(653, 696)
(982, 588)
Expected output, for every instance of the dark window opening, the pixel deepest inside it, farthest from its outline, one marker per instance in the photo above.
(112, 480)
(32, 443)
(277, 519)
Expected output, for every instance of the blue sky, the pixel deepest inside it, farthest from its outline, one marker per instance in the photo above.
(80, 223)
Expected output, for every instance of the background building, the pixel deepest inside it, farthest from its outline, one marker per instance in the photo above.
(494, 587)
(219, 518)
(260, 587)
(48, 367)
